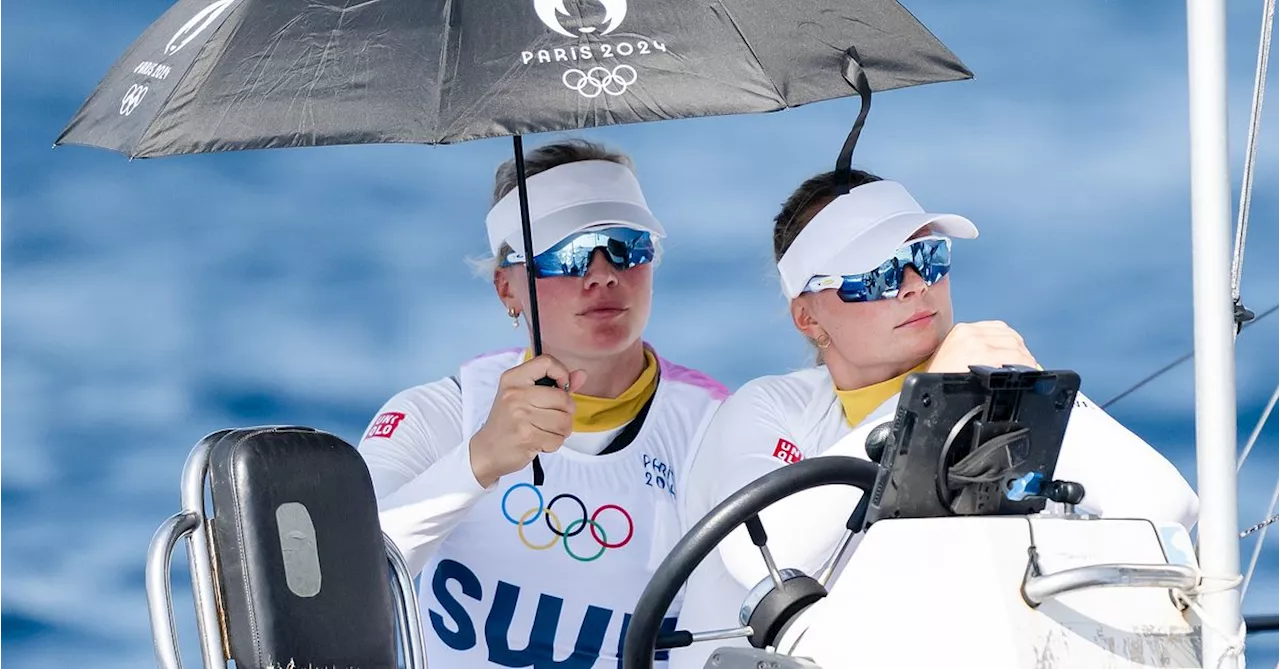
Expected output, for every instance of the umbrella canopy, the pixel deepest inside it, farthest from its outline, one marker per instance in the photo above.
(222, 75)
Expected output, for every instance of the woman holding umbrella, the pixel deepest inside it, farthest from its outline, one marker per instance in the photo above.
(867, 273)
(536, 513)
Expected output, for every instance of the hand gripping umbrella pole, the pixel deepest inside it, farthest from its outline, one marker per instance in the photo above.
(526, 231)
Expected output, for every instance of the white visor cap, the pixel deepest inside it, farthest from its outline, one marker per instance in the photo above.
(859, 231)
(571, 198)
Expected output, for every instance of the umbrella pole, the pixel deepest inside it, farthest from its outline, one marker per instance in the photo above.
(527, 233)
(517, 144)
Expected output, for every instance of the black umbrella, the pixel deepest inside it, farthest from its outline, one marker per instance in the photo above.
(226, 75)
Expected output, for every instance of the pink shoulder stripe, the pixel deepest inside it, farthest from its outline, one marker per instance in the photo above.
(692, 377)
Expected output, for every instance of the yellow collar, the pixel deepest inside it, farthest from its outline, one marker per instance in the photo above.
(860, 402)
(598, 414)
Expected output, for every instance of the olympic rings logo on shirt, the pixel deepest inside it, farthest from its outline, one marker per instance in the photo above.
(559, 532)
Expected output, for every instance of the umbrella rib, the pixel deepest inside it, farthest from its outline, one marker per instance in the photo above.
(752, 50)
(438, 131)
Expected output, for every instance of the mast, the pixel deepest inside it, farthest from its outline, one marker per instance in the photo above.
(1219, 543)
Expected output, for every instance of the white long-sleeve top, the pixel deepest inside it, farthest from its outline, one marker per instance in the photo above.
(521, 575)
(775, 420)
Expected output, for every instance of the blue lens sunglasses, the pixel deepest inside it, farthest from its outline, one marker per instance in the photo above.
(623, 247)
(930, 256)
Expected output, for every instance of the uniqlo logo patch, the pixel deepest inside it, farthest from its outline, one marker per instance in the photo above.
(787, 452)
(384, 425)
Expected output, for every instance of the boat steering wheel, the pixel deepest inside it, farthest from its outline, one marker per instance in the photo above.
(788, 595)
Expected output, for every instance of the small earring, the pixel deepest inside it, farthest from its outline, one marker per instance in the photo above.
(515, 317)
(823, 340)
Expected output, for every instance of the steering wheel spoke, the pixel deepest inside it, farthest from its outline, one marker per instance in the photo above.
(792, 594)
(854, 525)
(755, 528)
(682, 638)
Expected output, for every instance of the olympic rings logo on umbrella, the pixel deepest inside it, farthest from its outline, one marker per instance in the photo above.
(561, 534)
(132, 98)
(599, 80)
